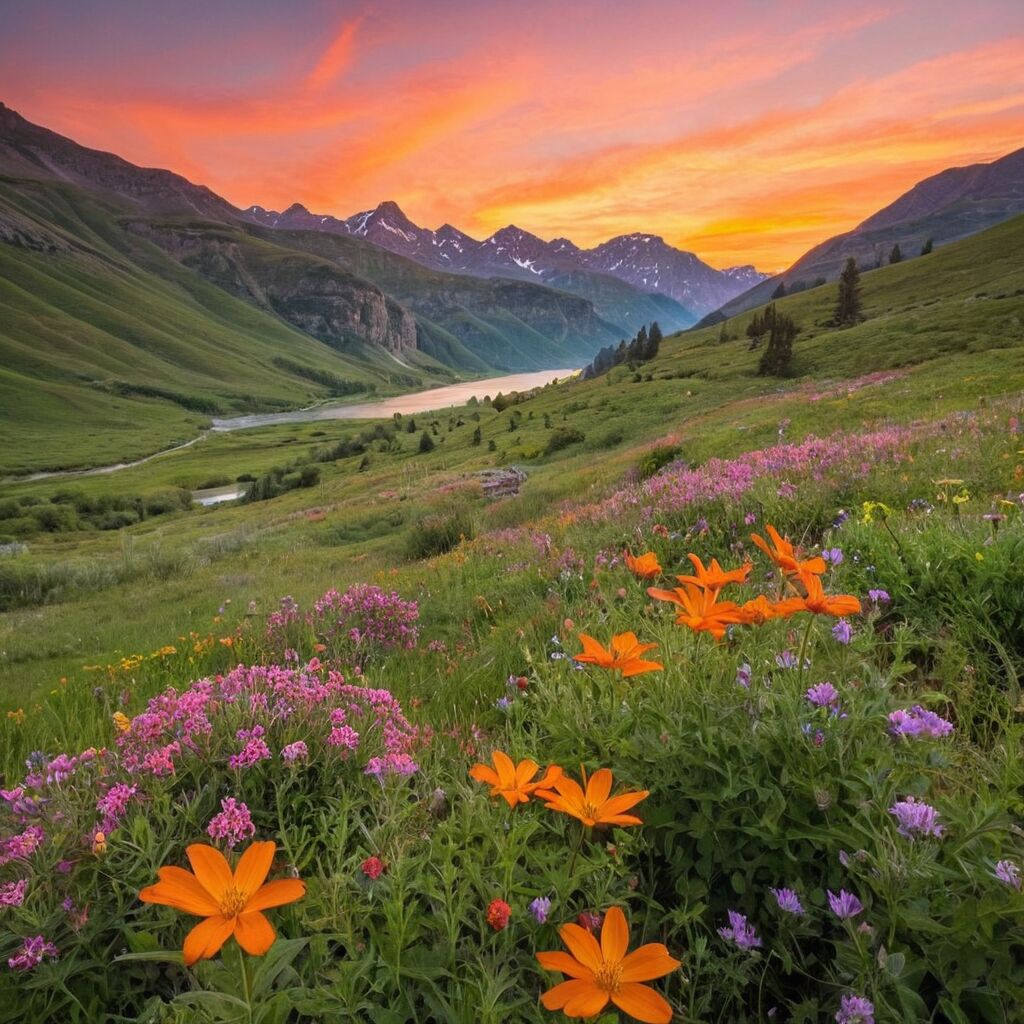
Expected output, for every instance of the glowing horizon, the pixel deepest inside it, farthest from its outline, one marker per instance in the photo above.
(747, 133)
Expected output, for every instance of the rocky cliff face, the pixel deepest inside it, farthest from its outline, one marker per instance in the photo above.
(312, 294)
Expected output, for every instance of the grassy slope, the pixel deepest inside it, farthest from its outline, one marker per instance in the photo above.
(938, 323)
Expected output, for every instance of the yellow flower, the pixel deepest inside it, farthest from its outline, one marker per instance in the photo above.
(978, 556)
(99, 843)
(17, 717)
(122, 722)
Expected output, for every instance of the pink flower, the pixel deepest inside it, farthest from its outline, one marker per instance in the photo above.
(31, 954)
(233, 824)
(12, 894)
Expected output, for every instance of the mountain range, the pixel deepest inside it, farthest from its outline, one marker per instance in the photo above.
(652, 271)
(953, 204)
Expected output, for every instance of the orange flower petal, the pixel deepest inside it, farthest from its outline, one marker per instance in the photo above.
(614, 936)
(180, 889)
(212, 870)
(207, 937)
(572, 992)
(647, 963)
(277, 894)
(639, 667)
(599, 786)
(587, 1001)
(484, 773)
(582, 945)
(253, 867)
(559, 961)
(505, 768)
(643, 1003)
(623, 802)
(254, 933)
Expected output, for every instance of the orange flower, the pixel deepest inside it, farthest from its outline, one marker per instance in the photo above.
(510, 780)
(230, 903)
(599, 973)
(760, 610)
(714, 577)
(595, 806)
(782, 554)
(820, 603)
(645, 566)
(623, 655)
(701, 610)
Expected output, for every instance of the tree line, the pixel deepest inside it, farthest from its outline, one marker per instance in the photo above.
(643, 347)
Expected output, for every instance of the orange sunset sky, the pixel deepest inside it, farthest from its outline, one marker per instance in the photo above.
(743, 131)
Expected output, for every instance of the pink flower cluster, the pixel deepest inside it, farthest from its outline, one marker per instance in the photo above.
(852, 456)
(371, 619)
(232, 824)
(113, 805)
(259, 706)
(22, 845)
(32, 953)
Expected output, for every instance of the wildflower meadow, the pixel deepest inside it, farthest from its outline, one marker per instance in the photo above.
(734, 742)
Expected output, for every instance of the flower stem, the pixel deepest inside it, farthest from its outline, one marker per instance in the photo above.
(803, 649)
(246, 984)
(575, 852)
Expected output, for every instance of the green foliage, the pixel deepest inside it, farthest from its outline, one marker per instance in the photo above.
(434, 535)
(848, 305)
(778, 354)
(426, 442)
(562, 438)
(656, 458)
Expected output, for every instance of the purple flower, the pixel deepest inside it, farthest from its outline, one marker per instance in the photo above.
(503, 703)
(12, 894)
(743, 676)
(113, 805)
(855, 1010)
(31, 954)
(845, 904)
(297, 751)
(1008, 872)
(391, 764)
(740, 932)
(916, 818)
(750, 518)
(823, 695)
(788, 901)
(834, 556)
(255, 748)
(233, 824)
(918, 721)
(879, 596)
(539, 908)
(786, 659)
(842, 631)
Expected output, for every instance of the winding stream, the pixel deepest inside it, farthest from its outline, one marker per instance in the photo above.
(430, 400)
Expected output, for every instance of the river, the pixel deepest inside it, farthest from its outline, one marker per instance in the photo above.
(416, 401)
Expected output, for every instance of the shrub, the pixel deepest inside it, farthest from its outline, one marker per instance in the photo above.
(435, 535)
(656, 459)
(561, 438)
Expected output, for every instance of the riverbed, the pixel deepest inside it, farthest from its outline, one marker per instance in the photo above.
(430, 400)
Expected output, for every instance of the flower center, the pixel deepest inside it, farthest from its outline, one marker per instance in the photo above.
(233, 902)
(591, 812)
(608, 977)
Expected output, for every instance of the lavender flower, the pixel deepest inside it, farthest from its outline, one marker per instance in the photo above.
(539, 908)
(844, 904)
(743, 674)
(787, 901)
(823, 695)
(503, 703)
(1006, 871)
(879, 596)
(834, 556)
(855, 1010)
(917, 722)
(297, 751)
(916, 818)
(786, 659)
(740, 932)
(842, 631)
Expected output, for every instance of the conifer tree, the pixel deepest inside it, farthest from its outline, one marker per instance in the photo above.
(780, 291)
(848, 306)
(896, 255)
(426, 442)
(927, 247)
(654, 339)
(778, 354)
(477, 436)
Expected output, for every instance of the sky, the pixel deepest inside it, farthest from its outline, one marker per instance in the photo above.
(746, 131)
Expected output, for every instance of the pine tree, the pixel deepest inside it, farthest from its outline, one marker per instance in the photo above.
(477, 436)
(410, 427)
(780, 291)
(757, 328)
(927, 247)
(426, 442)
(779, 352)
(848, 306)
(895, 256)
(654, 339)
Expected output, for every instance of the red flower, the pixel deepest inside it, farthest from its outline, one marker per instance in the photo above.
(522, 682)
(589, 921)
(498, 914)
(373, 868)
